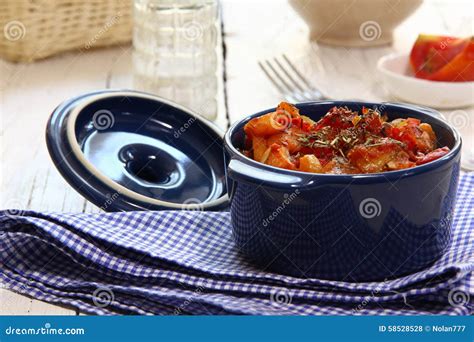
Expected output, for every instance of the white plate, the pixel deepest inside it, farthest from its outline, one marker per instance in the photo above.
(395, 71)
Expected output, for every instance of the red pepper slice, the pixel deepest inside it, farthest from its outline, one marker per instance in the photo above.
(296, 122)
(414, 122)
(433, 155)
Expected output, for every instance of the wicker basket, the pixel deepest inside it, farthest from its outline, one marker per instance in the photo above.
(35, 29)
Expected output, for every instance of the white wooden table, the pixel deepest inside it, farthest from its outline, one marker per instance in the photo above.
(253, 30)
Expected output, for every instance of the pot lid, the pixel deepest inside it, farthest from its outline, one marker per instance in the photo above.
(127, 150)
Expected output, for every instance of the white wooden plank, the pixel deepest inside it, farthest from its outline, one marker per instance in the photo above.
(14, 304)
(29, 180)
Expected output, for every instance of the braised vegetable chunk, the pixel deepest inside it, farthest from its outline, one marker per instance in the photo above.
(280, 157)
(265, 125)
(260, 149)
(342, 142)
(309, 163)
(433, 155)
(417, 136)
(340, 166)
(382, 155)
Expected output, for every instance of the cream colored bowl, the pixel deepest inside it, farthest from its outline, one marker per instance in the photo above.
(354, 22)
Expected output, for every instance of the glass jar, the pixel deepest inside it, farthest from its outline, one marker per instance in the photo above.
(175, 51)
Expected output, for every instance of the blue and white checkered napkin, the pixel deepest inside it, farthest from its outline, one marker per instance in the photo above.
(179, 262)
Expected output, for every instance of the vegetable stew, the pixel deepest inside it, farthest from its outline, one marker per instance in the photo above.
(342, 142)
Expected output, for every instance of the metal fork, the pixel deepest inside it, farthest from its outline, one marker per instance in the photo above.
(289, 81)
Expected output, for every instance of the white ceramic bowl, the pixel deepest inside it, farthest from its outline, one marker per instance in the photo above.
(353, 22)
(399, 80)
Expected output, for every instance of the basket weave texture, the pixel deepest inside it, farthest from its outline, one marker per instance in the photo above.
(36, 29)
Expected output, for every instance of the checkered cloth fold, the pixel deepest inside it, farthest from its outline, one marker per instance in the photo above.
(184, 262)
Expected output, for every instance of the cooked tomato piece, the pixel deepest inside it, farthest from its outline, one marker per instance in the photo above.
(337, 117)
(371, 120)
(417, 138)
(433, 155)
(324, 154)
(307, 124)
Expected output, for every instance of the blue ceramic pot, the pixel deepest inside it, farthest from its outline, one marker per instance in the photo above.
(344, 227)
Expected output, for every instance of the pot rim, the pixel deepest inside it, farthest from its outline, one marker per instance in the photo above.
(384, 176)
